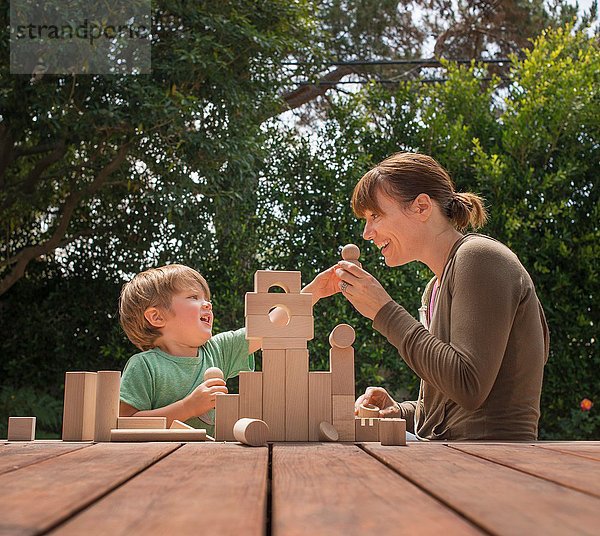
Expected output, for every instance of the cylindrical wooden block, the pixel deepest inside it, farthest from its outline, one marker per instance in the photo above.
(108, 383)
(327, 432)
(392, 431)
(213, 372)
(253, 432)
(342, 336)
(368, 411)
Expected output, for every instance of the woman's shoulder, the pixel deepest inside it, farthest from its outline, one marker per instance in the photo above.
(483, 247)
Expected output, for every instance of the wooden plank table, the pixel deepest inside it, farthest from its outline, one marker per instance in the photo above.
(51, 487)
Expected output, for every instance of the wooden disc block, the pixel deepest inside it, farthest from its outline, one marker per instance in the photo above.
(253, 432)
(327, 432)
(342, 336)
(213, 372)
(368, 411)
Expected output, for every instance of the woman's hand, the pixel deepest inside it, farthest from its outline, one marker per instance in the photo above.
(361, 289)
(325, 284)
(379, 397)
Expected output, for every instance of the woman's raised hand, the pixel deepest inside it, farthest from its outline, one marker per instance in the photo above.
(361, 289)
(379, 397)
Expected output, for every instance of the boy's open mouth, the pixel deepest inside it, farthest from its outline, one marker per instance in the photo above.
(205, 318)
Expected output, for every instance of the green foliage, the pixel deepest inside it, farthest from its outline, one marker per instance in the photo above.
(530, 147)
(28, 402)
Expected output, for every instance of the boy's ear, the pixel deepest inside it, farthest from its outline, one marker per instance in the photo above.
(154, 317)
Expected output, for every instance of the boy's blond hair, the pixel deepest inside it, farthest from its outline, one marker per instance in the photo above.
(153, 288)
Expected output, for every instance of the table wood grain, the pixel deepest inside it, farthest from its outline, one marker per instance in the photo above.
(290, 489)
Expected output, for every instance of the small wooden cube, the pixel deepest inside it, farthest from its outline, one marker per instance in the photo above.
(21, 428)
(392, 431)
(366, 429)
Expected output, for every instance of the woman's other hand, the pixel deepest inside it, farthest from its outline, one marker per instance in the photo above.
(379, 397)
(361, 289)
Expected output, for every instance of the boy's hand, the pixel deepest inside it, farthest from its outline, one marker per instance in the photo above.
(202, 398)
(325, 284)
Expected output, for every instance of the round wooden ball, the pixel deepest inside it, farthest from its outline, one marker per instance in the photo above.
(350, 252)
(213, 372)
(368, 411)
(253, 432)
(342, 336)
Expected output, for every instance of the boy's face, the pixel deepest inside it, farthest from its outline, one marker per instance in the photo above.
(190, 319)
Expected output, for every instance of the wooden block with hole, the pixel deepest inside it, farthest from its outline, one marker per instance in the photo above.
(262, 303)
(392, 432)
(296, 395)
(289, 281)
(137, 435)
(227, 409)
(21, 428)
(270, 343)
(366, 429)
(273, 409)
(343, 416)
(79, 412)
(260, 327)
(108, 383)
(319, 402)
(142, 423)
(251, 394)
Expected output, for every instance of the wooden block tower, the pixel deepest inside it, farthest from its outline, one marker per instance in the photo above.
(293, 402)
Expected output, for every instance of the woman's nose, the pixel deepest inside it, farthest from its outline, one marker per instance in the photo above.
(367, 232)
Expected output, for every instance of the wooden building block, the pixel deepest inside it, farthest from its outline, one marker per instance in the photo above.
(213, 372)
(79, 411)
(289, 281)
(273, 365)
(327, 432)
(144, 423)
(108, 384)
(253, 432)
(251, 394)
(296, 395)
(135, 435)
(351, 253)
(21, 428)
(342, 336)
(178, 425)
(392, 431)
(319, 402)
(270, 343)
(368, 411)
(227, 413)
(260, 326)
(366, 429)
(262, 303)
(343, 416)
(341, 361)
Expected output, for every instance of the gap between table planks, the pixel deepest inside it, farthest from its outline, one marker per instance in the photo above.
(574, 472)
(500, 499)
(37, 497)
(219, 488)
(19, 454)
(335, 488)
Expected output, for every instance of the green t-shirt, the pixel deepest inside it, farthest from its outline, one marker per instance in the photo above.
(154, 379)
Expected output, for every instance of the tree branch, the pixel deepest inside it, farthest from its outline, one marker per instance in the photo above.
(307, 93)
(26, 255)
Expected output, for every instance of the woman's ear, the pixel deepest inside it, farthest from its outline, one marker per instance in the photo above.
(422, 205)
(154, 317)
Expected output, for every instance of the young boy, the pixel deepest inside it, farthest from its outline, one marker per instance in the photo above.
(166, 312)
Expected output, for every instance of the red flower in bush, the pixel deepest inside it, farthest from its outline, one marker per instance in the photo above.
(586, 404)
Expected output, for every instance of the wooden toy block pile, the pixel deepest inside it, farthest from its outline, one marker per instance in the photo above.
(284, 402)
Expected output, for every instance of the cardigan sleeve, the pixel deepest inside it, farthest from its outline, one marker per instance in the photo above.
(485, 286)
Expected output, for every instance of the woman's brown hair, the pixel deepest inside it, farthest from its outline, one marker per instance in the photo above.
(403, 176)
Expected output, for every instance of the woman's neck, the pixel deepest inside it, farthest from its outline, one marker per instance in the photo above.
(437, 249)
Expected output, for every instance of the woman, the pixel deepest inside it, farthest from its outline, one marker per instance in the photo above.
(482, 342)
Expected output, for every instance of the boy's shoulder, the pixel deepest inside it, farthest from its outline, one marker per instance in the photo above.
(145, 359)
(226, 337)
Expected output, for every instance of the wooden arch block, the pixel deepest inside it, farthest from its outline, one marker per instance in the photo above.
(288, 281)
